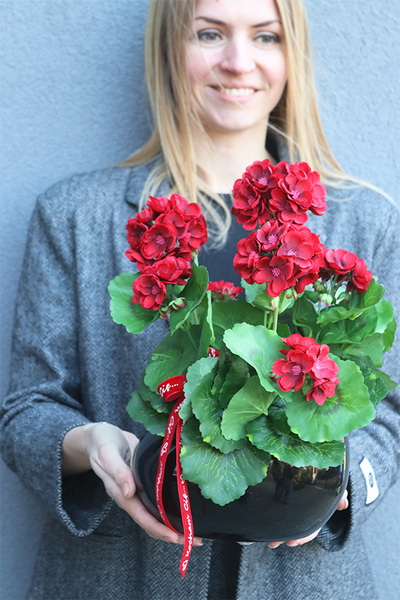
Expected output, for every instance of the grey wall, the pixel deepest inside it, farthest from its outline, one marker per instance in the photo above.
(72, 100)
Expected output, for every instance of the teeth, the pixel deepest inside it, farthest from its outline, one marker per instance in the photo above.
(237, 91)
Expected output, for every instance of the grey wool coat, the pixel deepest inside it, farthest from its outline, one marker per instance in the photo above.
(71, 365)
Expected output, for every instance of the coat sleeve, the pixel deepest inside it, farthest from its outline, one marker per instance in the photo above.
(375, 449)
(43, 400)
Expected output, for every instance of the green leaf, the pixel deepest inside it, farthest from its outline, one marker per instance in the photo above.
(226, 315)
(221, 477)
(247, 404)
(305, 315)
(123, 310)
(350, 408)
(371, 346)
(234, 381)
(154, 399)
(193, 292)
(144, 413)
(388, 335)
(377, 382)
(173, 356)
(374, 293)
(272, 434)
(374, 319)
(205, 408)
(252, 290)
(259, 347)
(195, 375)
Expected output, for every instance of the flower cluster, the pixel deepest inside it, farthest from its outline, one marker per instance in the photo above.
(306, 357)
(224, 290)
(283, 192)
(281, 255)
(163, 238)
(346, 268)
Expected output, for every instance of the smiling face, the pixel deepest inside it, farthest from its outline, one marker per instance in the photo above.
(236, 64)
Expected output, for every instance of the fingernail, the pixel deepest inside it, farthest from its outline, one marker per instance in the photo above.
(292, 544)
(197, 542)
(125, 490)
(273, 546)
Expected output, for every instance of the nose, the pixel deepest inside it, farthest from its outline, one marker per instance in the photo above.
(238, 57)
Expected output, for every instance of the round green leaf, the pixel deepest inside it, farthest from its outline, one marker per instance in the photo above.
(173, 356)
(144, 413)
(194, 377)
(221, 477)
(272, 434)
(350, 408)
(193, 292)
(258, 346)
(123, 310)
(205, 408)
(247, 404)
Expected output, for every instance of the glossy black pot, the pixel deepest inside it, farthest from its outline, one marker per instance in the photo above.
(290, 502)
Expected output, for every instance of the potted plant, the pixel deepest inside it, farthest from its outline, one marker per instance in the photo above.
(267, 379)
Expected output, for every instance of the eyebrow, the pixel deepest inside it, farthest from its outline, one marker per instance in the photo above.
(218, 22)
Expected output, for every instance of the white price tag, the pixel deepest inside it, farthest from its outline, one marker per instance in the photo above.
(372, 486)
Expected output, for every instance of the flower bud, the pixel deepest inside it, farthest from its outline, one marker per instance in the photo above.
(177, 303)
(275, 302)
(326, 298)
(319, 286)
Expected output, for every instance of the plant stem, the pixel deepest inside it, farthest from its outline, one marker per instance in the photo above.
(275, 323)
(195, 317)
(271, 316)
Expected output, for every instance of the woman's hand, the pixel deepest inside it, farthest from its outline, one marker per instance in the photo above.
(108, 451)
(343, 504)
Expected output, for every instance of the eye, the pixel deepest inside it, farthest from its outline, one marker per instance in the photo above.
(208, 35)
(267, 38)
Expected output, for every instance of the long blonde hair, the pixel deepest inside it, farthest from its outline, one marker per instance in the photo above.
(296, 117)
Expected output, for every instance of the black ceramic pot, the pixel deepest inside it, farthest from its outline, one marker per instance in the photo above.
(290, 503)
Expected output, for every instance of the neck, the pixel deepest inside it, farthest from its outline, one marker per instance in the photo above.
(230, 155)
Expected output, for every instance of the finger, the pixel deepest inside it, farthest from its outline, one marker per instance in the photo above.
(344, 501)
(273, 545)
(301, 541)
(150, 524)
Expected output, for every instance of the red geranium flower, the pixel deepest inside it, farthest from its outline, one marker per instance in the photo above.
(324, 367)
(297, 247)
(340, 261)
(157, 240)
(277, 272)
(247, 257)
(249, 205)
(360, 276)
(224, 290)
(135, 230)
(321, 390)
(173, 270)
(149, 291)
(159, 205)
(196, 233)
(270, 234)
(174, 219)
(291, 373)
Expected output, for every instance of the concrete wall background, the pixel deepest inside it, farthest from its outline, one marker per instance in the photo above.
(72, 100)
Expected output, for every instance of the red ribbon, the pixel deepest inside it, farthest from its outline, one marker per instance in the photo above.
(172, 390)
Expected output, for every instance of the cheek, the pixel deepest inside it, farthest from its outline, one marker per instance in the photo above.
(196, 66)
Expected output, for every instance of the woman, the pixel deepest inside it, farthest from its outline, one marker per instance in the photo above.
(246, 77)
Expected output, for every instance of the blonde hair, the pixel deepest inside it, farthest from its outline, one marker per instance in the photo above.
(296, 117)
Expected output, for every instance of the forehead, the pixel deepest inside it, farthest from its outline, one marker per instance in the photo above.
(249, 12)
